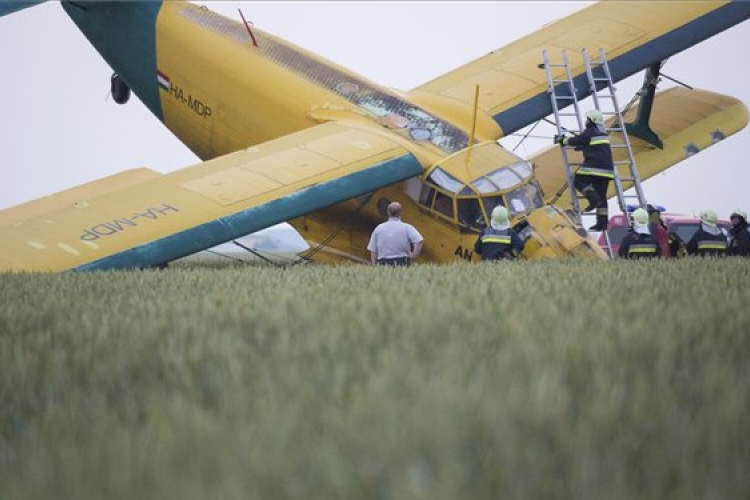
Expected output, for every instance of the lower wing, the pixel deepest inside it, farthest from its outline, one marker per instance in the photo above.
(166, 217)
(687, 121)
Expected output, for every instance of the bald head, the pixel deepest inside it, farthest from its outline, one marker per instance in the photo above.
(394, 209)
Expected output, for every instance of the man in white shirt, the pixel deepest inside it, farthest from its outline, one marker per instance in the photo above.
(394, 243)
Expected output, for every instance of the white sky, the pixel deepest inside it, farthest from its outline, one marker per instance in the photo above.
(59, 128)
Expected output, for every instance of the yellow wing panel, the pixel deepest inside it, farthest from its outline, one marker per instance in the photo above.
(183, 212)
(78, 194)
(687, 121)
(644, 32)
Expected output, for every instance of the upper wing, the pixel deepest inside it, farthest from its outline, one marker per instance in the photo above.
(178, 214)
(513, 89)
(687, 121)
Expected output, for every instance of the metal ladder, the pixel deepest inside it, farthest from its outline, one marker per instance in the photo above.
(562, 94)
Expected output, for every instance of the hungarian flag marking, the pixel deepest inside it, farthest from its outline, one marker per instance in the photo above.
(163, 80)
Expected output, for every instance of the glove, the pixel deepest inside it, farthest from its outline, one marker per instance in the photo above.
(560, 139)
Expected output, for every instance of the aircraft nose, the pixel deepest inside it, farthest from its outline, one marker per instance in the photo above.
(124, 33)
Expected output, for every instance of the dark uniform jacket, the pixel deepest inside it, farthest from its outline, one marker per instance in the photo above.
(496, 244)
(593, 142)
(739, 240)
(706, 244)
(638, 246)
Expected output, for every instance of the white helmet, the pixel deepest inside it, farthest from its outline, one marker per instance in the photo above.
(595, 116)
(708, 217)
(499, 216)
(640, 216)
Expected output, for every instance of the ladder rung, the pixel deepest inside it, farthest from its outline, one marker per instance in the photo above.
(618, 146)
(623, 162)
(564, 96)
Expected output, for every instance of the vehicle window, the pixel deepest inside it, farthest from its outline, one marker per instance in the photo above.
(470, 213)
(684, 231)
(443, 204)
(445, 180)
(523, 199)
(616, 234)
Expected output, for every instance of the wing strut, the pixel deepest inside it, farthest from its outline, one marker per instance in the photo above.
(640, 128)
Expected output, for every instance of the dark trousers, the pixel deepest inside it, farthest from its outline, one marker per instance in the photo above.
(599, 185)
(398, 261)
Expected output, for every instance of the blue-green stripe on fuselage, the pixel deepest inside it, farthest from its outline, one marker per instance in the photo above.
(248, 221)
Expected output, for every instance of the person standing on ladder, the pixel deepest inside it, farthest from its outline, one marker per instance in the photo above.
(598, 168)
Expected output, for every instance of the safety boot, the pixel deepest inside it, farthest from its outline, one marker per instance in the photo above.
(601, 223)
(592, 197)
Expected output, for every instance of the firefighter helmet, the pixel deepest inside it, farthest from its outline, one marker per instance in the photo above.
(499, 216)
(739, 213)
(640, 216)
(708, 217)
(595, 116)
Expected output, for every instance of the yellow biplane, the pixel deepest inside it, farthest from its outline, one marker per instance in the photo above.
(286, 135)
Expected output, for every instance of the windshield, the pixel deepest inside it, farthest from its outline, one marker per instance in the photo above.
(504, 178)
(445, 180)
(524, 199)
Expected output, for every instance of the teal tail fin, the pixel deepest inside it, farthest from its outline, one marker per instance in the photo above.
(11, 6)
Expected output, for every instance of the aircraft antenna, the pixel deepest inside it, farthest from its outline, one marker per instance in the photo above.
(247, 27)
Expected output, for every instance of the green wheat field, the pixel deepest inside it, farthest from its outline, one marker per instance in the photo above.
(526, 380)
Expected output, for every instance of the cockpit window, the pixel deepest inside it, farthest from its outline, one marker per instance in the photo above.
(524, 199)
(470, 213)
(427, 196)
(445, 180)
(504, 178)
(523, 169)
(484, 186)
(443, 204)
(490, 203)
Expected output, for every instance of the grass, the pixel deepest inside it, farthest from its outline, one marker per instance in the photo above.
(559, 379)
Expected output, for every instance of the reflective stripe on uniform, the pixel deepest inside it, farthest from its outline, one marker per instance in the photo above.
(712, 245)
(596, 142)
(492, 238)
(597, 172)
(643, 248)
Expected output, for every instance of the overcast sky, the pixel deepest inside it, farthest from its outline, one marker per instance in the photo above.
(59, 127)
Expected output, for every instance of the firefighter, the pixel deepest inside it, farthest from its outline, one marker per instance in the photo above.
(658, 230)
(739, 234)
(709, 239)
(639, 243)
(592, 178)
(499, 241)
